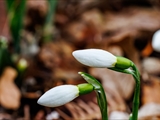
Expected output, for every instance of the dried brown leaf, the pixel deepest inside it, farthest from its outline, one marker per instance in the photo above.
(9, 92)
(150, 90)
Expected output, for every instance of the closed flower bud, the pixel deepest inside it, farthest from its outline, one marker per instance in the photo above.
(95, 58)
(63, 94)
(101, 58)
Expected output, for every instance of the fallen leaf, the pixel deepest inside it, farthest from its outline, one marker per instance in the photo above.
(149, 111)
(150, 90)
(9, 92)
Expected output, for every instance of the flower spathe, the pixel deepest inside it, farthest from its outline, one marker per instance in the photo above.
(59, 95)
(156, 41)
(95, 58)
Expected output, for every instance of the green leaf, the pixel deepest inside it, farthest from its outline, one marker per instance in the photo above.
(48, 26)
(90, 79)
(5, 59)
(16, 12)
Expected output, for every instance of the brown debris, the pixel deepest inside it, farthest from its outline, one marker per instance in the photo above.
(83, 110)
(9, 93)
(151, 65)
(150, 90)
(149, 111)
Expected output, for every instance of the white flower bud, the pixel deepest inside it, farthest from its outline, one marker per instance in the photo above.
(63, 94)
(156, 41)
(59, 95)
(95, 58)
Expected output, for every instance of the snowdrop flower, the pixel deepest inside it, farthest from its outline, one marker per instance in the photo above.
(95, 58)
(100, 58)
(63, 94)
(156, 41)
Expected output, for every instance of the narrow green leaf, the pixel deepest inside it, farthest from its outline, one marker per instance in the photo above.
(5, 59)
(48, 26)
(16, 12)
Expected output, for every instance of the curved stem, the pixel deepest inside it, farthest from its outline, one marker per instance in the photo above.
(101, 96)
(136, 76)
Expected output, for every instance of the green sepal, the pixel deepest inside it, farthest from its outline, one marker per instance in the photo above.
(85, 88)
(123, 63)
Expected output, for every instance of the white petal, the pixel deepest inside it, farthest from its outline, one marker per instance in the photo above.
(156, 41)
(95, 58)
(59, 95)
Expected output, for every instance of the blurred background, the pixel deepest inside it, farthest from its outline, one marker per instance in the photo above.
(37, 38)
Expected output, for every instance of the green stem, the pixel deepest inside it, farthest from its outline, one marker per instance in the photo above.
(101, 96)
(136, 75)
(102, 102)
(136, 93)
